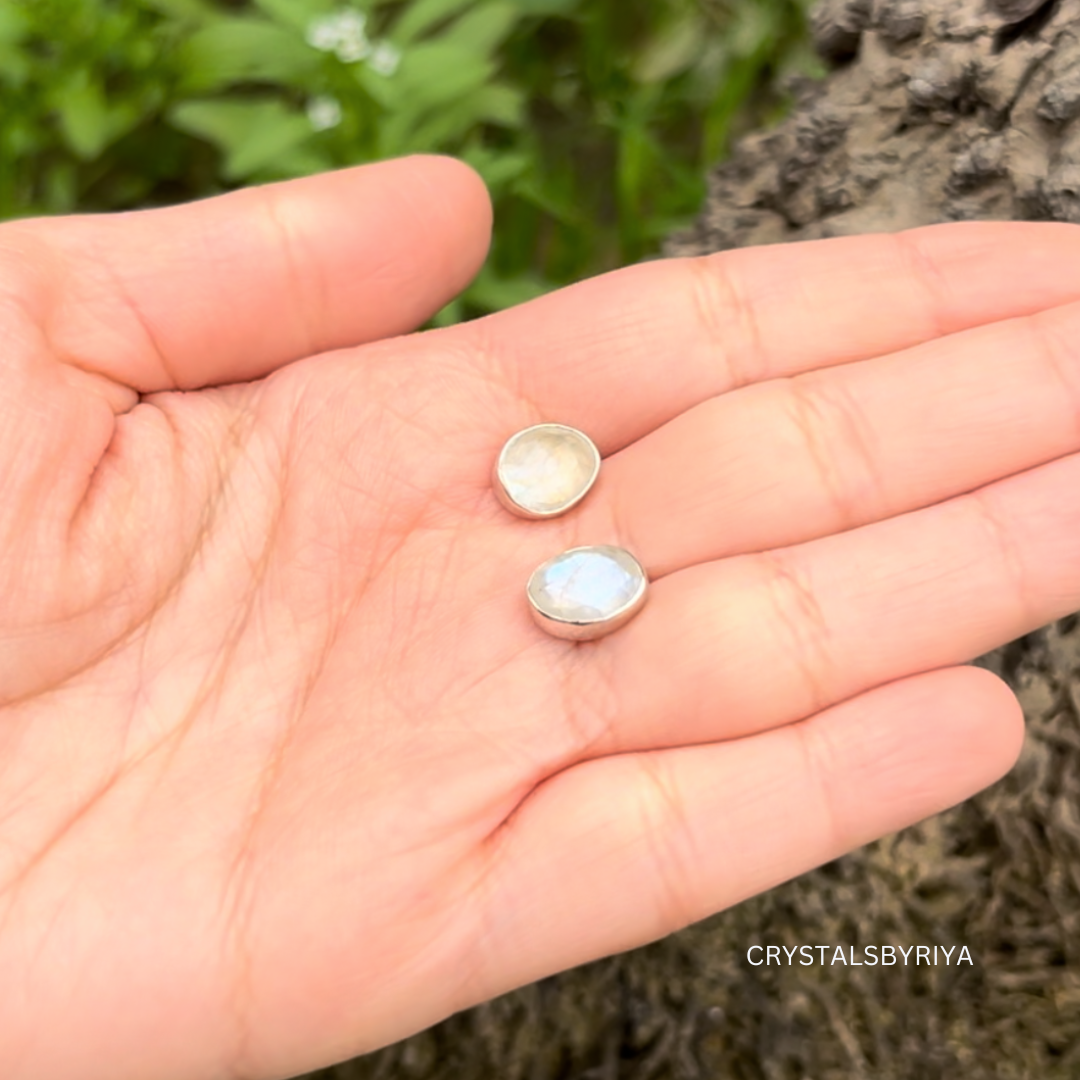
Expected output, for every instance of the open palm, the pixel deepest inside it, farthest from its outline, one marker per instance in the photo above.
(286, 770)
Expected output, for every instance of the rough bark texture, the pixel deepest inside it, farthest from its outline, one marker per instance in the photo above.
(943, 111)
(937, 110)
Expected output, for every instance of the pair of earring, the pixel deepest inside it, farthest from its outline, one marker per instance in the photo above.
(586, 592)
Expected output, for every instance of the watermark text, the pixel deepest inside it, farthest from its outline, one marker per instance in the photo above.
(867, 956)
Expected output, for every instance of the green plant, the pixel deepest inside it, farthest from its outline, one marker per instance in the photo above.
(592, 121)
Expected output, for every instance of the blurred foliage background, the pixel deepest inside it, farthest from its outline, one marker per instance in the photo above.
(592, 121)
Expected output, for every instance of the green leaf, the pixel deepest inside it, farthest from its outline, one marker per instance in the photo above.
(435, 73)
(13, 23)
(450, 314)
(484, 28)
(18, 139)
(127, 115)
(445, 127)
(499, 104)
(383, 91)
(422, 15)
(678, 48)
(295, 13)
(61, 188)
(15, 65)
(755, 27)
(302, 160)
(430, 112)
(251, 134)
(84, 117)
(531, 188)
(546, 7)
(497, 169)
(494, 292)
(245, 49)
(194, 11)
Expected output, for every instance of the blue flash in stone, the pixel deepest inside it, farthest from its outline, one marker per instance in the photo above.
(587, 592)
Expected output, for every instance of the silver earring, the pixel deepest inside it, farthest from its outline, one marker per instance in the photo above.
(545, 470)
(587, 592)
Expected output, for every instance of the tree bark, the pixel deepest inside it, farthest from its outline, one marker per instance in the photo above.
(938, 110)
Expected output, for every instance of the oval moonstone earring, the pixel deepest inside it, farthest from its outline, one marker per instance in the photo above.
(587, 592)
(544, 470)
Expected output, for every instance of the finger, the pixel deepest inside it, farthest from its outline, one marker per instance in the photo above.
(229, 288)
(614, 853)
(736, 646)
(621, 354)
(785, 461)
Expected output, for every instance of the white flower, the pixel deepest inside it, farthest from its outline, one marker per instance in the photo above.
(352, 47)
(384, 58)
(324, 112)
(343, 33)
(322, 33)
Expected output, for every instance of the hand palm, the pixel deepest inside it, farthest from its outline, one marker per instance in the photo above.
(283, 760)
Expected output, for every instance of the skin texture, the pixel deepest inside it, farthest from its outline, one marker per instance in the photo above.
(286, 770)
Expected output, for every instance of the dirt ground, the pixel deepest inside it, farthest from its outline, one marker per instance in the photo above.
(934, 112)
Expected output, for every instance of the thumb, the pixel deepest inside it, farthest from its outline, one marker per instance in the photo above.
(229, 288)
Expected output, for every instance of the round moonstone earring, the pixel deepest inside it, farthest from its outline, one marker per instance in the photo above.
(587, 592)
(545, 470)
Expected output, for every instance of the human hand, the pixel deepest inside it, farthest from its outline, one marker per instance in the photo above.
(286, 770)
